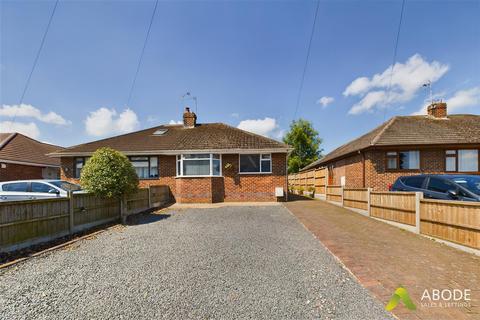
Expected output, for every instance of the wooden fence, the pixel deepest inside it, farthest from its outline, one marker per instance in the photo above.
(315, 179)
(356, 198)
(24, 223)
(453, 221)
(394, 206)
(334, 193)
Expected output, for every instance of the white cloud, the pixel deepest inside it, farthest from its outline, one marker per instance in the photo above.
(461, 99)
(175, 122)
(267, 127)
(325, 101)
(103, 121)
(28, 129)
(29, 111)
(407, 79)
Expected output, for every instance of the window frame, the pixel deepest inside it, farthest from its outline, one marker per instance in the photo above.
(180, 158)
(259, 164)
(456, 150)
(84, 159)
(149, 165)
(397, 160)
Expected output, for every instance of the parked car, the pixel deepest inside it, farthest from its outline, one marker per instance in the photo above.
(35, 189)
(444, 187)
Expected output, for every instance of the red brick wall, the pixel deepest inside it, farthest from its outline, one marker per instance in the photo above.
(20, 172)
(231, 187)
(254, 187)
(351, 168)
(432, 161)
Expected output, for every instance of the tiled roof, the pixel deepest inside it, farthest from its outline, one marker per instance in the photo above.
(412, 130)
(17, 147)
(209, 136)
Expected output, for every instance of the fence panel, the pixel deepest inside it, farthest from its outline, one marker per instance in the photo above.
(137, 202)
(355, 198)
(90, 210)
(25, 223)
(320, 180)
(159, 195)
(334, 193)
(455, 221)
(393, 206)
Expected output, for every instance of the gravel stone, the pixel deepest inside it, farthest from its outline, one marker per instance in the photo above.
(255, 262)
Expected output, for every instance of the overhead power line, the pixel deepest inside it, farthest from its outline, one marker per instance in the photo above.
(141, 54)
(394, 57)
(299, 95)
(35, 62)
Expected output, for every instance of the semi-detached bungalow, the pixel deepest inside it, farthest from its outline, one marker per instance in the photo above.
(200, 162)
(23, 158)
(436, 143)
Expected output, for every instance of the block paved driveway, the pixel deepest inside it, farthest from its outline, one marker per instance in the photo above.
(383, 257)
(255, 262)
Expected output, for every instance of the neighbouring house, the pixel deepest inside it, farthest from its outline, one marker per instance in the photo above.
(24, 158)
(200, 162)
(435, 143)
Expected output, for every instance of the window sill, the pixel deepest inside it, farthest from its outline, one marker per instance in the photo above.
(180, 177)
(156, 178)
(250, 173)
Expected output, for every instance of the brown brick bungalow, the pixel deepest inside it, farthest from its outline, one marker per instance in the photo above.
(208, 162)
(406, 145)
(23, 158)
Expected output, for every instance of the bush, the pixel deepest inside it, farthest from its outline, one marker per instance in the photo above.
(109, 173)
(300, 190)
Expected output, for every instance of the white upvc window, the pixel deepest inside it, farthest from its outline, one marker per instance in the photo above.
(256, 163)
(199, 165)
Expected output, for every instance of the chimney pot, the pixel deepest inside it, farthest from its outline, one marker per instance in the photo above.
(437, 110)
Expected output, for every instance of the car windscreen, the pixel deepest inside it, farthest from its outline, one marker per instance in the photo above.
(67, 186)
(470, 183)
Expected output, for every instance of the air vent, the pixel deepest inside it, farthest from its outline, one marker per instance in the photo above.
(160, 132)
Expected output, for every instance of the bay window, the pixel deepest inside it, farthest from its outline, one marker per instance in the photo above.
(256, 163)
(463, 160)
(200, 164)
(146, 167)
(403, 160)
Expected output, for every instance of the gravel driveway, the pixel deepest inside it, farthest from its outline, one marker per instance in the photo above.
(253, 262)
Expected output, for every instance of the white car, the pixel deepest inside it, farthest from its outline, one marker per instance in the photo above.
(35, 189)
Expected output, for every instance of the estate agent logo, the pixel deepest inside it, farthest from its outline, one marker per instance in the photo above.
(400, 294)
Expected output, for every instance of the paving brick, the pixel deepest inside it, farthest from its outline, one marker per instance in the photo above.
(376, 252)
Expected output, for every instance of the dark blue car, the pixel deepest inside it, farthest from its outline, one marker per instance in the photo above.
(443, 187)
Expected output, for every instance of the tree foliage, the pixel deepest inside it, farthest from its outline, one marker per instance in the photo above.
(306, 143)
(109, 173)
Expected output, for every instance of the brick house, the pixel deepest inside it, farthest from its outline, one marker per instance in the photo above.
(436, 143)
(208, 162)
(24, 158)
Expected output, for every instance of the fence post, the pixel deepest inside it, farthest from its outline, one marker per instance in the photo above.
(123, 209)
(70, 212)
(418, 197)
(343, 195)
(369, 190)
(149, 197)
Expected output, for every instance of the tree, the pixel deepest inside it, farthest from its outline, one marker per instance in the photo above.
(306, 143)
(109, 173)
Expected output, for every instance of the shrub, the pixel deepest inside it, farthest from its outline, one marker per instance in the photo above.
(300, 190)
(109, 173)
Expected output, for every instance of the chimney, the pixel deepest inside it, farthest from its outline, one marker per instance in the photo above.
(437, 110)
(189, 118)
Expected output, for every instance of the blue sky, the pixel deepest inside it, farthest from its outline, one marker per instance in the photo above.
(242, 59)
